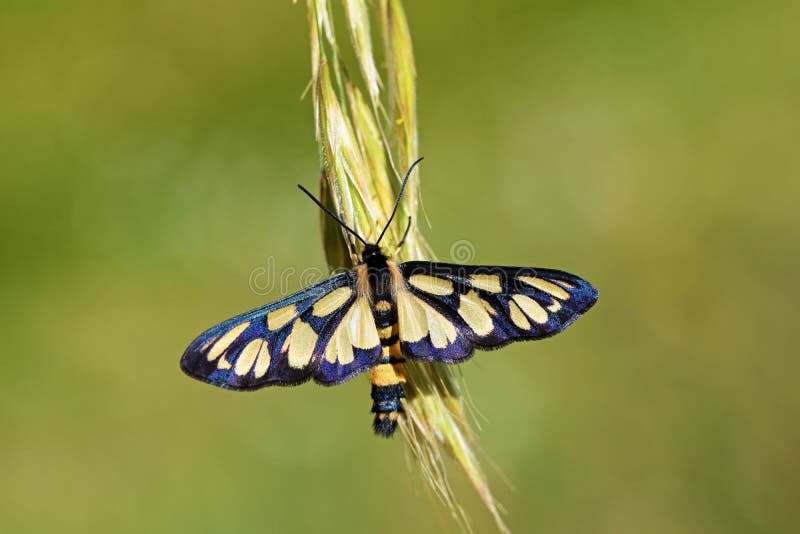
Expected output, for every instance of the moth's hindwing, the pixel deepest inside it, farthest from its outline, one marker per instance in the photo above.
(325, 332)
(446, 310)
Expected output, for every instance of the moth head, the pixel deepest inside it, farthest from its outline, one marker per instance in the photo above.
(372, 254)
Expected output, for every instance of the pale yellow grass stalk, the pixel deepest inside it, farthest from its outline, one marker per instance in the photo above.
(367, 143)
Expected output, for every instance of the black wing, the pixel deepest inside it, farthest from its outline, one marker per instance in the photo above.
(446, 310)
(325, 332)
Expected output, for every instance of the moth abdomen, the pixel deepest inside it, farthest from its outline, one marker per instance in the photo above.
(385, 424)
(387, 393)
(387, 407)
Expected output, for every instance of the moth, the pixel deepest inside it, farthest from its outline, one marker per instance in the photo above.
(380, 313)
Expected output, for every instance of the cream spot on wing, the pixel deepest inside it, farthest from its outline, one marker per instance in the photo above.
(486, 282)
(357, 329)
(475, 314)
(547, 287)
(532, 308)
(339, 347)
(442, 331)
(411, 318)
(361, 326)
(345, 352)
(564, 284)
(262, 363)
(301, 345)
(554, 307)
(431, 284)
(248, 357)
(223, 364)
(488, 307)
(225, 341)
(416, 319)
(208, 343)
(517, 316)
(281, 316)
(331, 302)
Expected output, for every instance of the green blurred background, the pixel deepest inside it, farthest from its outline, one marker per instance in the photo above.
(149, 153)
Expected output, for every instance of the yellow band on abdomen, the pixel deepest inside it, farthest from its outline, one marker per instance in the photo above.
(387, 374)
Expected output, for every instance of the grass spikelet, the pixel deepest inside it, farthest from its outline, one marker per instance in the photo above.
(366, 145)
(358, 20)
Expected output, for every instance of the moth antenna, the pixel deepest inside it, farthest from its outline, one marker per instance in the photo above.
(329, 212)
(397, 202)
(405, 235)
